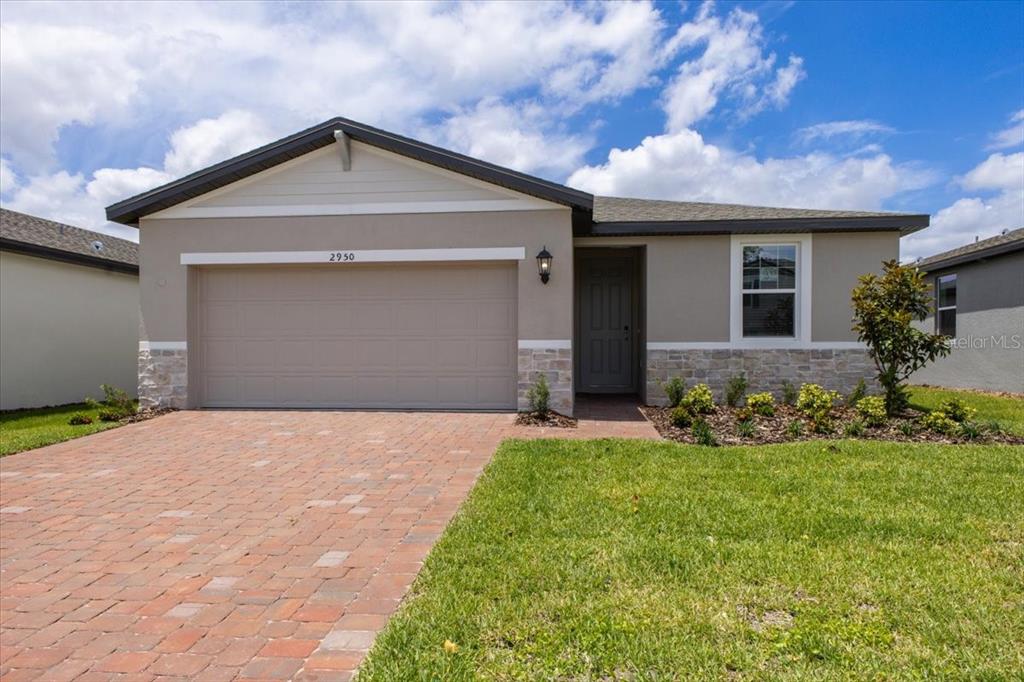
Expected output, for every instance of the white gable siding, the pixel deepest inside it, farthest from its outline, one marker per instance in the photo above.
(378, 182)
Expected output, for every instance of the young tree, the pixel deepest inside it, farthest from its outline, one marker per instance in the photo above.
(884, 309)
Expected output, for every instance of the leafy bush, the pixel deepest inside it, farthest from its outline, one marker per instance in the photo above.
(539, 395)
(907, 428)
(884, 311)
(734, 390)
(745, 428)
(681, 417)
(79, 419)
(744, 414)
(795, 428)
(859, 391)
(970, 430)
(872, 410)
(855, 428)
(703, 434)
(957, 410)
(939, 422)
(815, 402)
(116, 403)
(761, 403)
(699, 400)
(789, 394)
(675, 389)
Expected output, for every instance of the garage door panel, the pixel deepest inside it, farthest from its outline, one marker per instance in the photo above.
(417, 336)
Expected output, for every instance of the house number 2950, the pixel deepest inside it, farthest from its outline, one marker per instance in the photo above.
(342, 257)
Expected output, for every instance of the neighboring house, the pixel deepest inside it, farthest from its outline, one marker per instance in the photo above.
(69, 312)
(345, 266)
(979, 303)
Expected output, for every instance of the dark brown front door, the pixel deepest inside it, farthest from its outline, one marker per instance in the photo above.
(607, 333)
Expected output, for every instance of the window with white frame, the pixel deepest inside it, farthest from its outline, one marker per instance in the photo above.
(769, 290)
(945, 305)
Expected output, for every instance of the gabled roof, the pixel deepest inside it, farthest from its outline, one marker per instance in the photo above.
(986, 248)
(592, 216)
(130, 210)
(36, 236)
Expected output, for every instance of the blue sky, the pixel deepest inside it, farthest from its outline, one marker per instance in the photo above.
(893, 106)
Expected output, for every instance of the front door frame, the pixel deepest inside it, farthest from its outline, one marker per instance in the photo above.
(637, 257)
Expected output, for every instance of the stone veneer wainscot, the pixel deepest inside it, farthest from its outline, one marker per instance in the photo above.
(163, 378)
(765, 369)
(556, 364)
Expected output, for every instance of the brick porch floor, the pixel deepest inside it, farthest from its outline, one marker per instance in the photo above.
(231, 545)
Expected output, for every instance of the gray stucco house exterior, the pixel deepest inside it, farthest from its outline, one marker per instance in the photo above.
(69, 312)
(979, 304)
(348, 267)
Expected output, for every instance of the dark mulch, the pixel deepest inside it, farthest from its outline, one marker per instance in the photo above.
(550, 418)
(146, 415)
(724, 424)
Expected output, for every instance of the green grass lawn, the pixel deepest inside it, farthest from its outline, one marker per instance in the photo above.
(608, 560)
(26, 429)
(1009, 412)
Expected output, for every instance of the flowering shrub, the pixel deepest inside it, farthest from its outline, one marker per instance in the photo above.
(761, 403)
(872, 410)
(816, 403)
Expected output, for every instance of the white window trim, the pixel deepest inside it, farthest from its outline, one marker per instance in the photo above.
(804, 295)
(938, 308)
(358, 256)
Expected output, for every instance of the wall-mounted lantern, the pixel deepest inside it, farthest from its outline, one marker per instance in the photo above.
(544, 265)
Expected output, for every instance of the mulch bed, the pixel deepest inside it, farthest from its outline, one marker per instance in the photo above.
(551, 418)
(146, 415)
(724, 423)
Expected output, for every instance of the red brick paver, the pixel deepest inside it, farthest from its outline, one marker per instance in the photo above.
(231, 545)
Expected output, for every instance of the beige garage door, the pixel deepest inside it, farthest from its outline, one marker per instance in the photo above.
(399, 336)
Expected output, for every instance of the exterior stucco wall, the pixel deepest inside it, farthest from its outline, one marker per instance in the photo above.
(687, 285)
(545, 311)
(988, 351)
(837, 261)
(64, 330)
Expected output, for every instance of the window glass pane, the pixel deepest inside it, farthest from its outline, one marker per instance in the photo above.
(772, 266)
(768, 314)
(947, 290)
(947, 322)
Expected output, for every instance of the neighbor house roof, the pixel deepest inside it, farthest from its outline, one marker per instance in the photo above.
(594, 216)
(36, 236)
(986, 248)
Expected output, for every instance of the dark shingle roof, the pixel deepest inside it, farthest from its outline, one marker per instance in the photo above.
(985, 248)
(621, 209)
(49, 236)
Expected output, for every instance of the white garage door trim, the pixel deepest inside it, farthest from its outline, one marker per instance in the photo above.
(343, 256)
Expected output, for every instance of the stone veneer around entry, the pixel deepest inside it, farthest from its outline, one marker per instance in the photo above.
(556, 365)
(163, 378)
(765, 369)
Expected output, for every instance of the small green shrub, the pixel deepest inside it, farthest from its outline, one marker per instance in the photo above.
(539, 395)
(106, 415)
(795, 428)
(79, 419)
(745, 428)
(116, 404)
(994, 427)
(939, 422)
(907, 428)
(859, 391)
(957, 410)
(816, 403)
(970, 430)
(734, 390)
(681, 417)
(872, 410)
(743, 414)
(675, 389)
(699, 400)
(855, 428)
(789, 394)
(761, 403)
(703, 434)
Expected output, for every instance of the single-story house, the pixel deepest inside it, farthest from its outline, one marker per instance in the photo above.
(979, 304)
(69, 312)
(345, 266)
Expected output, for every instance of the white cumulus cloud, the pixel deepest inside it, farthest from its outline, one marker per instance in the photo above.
(1010, 137)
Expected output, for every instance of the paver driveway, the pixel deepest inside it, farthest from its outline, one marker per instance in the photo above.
(230, 545)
